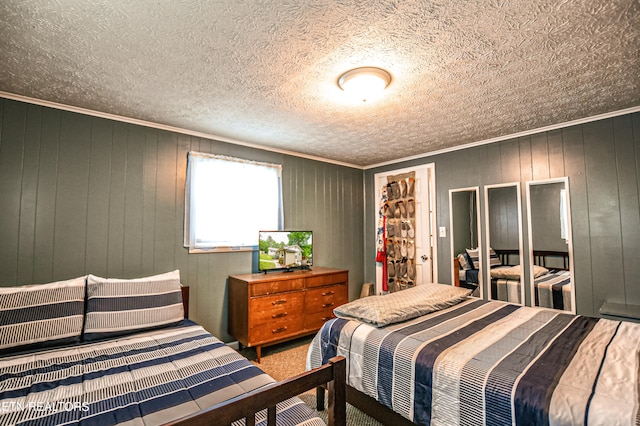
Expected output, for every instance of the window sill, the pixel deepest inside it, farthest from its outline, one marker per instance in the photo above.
(201, 250)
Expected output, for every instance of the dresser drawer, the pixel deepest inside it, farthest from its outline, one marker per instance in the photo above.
(271, 308)
(259, 289)
(342, 277)
(329, 297)
(276, 330)
(314, 320)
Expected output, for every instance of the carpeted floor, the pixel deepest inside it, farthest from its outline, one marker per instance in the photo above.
(288, 359)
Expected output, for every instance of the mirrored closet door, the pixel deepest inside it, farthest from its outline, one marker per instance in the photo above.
(550, 244)
(503, 218)
(465, 237)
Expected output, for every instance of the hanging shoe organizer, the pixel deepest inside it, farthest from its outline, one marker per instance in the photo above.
(399, 209)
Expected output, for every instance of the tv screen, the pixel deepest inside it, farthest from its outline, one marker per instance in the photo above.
(285, 250)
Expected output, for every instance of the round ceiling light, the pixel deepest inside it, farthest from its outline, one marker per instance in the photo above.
(365, 83)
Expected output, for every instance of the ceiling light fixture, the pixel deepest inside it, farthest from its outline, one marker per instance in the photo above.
(365, 83)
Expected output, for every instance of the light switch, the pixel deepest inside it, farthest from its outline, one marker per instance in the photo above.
(443, 232)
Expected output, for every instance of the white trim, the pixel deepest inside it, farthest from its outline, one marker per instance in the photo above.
(168, 128)
(475, 189)
(144, 123)
(431, 188)
(565, 180)
(520, 237)
(511, 136)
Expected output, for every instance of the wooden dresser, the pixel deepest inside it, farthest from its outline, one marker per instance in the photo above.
(269, 308)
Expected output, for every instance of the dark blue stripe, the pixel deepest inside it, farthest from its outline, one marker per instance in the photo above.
(330, 335)
(207, 383)
(595, 382)
(427, 356)
(392, 340)
(42, 312)
(533, 394)
(130, 303)
(119, 409)
(501, 380)
(115, 370)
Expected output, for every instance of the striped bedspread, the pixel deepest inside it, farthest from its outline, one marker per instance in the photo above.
(506, 290)
(553, 290)
(144, 379)
(493, 363)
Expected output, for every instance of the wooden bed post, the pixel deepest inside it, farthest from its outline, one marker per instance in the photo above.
(456, 272)
(185, 300)
(338, 392)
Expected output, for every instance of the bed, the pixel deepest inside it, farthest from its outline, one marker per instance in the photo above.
(433, 356)
(103, 351)
(552, 278)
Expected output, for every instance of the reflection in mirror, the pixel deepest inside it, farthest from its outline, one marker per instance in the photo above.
(503, 219)
(465, 234)
(550, 246)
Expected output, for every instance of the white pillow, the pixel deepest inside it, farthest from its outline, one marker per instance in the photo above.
(514, 272)
(402, 305)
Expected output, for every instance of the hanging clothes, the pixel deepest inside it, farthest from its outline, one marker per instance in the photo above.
(381, 247)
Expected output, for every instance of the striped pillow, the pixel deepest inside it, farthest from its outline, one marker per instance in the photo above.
(494, 260)
(41, 314)
(116, 306)
(464, 263)
(474, 258)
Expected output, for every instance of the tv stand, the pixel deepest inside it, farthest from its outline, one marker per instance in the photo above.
(267, 309)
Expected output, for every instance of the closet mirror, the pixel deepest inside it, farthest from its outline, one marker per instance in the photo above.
(465, 237)
(503, 218)
(550, 245)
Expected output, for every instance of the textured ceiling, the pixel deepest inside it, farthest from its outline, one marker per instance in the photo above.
(264, 72)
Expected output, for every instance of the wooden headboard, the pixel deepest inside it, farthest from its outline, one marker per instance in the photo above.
(540, 257)
(185, 300)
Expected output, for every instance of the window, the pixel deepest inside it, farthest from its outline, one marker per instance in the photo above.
(228, 200)
(564, 233)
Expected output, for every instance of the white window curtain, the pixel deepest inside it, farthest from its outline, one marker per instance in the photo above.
(228, 200)
(564, 233)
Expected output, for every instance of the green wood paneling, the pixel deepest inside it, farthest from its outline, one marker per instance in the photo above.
(11, 161)
(87, 195)
(72, 191)
(602, 161)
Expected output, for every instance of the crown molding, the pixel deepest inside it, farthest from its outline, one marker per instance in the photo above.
(159, 126)
(511, 136)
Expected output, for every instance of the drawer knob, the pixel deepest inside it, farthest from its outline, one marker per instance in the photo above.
(280, 315)
(279, 330)
(327, 305)
(279, 302)
(328, 293)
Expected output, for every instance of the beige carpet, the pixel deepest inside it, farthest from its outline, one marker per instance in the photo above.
(288, 359)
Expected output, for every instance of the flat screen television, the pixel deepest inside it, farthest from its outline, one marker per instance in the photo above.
(285, 250)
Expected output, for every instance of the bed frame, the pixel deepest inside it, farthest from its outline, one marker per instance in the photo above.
(366, 404)
(246, 406)
(332, 375)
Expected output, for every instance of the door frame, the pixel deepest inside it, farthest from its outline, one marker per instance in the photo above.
(476, 190)
(431, 190)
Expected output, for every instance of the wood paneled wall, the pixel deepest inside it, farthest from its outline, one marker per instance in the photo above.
(85, 195)
(602, 161)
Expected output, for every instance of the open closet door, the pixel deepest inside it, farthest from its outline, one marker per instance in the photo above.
(405, 229)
